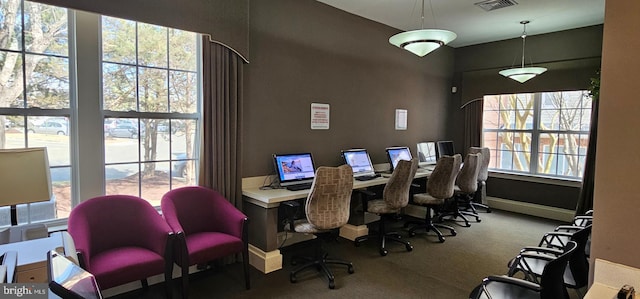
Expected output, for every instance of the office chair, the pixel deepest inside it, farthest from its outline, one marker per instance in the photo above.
(394, 197)
(466, 186)
(532, 260)
(121, 239)
(207, 227)
(327, 209)
(479, 198)
(551, 284)
(440, 186)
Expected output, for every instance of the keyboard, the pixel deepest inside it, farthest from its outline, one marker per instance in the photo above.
(366, 177)
(298, 187)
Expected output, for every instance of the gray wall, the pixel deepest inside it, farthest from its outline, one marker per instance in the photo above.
(303, 51)
(572, 58)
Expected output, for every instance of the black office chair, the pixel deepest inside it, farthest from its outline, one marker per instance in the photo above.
(395, 196)
(551, 284)
(532, 260)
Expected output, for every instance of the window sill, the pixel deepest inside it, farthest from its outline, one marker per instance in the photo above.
(536, 179)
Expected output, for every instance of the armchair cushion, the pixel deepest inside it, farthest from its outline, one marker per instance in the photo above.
(207, 246)
(125, 264)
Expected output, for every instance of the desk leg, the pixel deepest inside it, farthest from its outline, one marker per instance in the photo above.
(263, 237)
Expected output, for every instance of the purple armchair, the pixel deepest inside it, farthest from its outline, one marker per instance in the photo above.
(207, 227)
(121, 239)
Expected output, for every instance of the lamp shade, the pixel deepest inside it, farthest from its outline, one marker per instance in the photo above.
(24, 176)
(522, 74)
(422, 42)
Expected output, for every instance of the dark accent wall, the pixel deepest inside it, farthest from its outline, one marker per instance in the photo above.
(303, 51)
(226, 21)
(572, 58)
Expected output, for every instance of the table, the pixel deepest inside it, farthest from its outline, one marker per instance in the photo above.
(32, 255)
(261, 206)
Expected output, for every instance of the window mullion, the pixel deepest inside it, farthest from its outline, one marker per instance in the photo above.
(535, 134)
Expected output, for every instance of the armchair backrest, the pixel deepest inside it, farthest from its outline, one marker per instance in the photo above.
(113, 221)
(467, 179)
(196, 209)
(396, 191)
(442, 180)
(552, 281)
(483, 173)
(328, 202)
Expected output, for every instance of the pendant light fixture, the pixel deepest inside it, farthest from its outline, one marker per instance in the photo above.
(522, 73)
(422, 42)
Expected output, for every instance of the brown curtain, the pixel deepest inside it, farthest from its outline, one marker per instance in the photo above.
(585, 201)
(473, 124)
(221, 151)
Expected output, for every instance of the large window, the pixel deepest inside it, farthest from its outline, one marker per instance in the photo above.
(147, 108)
(150, 102)
(538, 133)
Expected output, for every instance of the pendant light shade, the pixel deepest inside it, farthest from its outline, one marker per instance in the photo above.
(424, 41)
(522, 73)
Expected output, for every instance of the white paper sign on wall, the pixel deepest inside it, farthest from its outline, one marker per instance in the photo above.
(320, 116)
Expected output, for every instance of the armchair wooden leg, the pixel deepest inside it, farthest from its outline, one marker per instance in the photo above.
(245, 262)
(185, 281)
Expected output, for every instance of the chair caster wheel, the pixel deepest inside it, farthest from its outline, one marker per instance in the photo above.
(412, 234)
(479, 220)
(453, 233)
(441, 239)
(350, 270)
(383, 252)
(409, 248)
(292, 278)
(356, 244)
(332, 285)
(488, 211)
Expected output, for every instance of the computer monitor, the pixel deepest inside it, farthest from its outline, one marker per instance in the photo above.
(397, 153)
(445, 148)
(68, 280)
(359, 161)
(426, 153)
(293, 169)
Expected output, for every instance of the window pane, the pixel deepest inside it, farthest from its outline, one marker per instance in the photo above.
(52, 133)
(48, 86)
(121, 140)
(153, 147)
(183, 87)
(153, 94)
(11, 18)
(13, 131)
(155, 181)
(123, 179)
(45, 29)
(118, 40)
(182, 50)
(152, 48)
(11, 88)
(119, 87)
(61, 188)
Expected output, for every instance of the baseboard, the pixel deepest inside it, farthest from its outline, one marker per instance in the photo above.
(559, 214)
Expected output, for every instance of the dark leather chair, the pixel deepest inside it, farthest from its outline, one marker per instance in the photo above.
(551, 284)
(440, 186)
(532, 260)
(207, 227)
(9, 261)
(327, 209)
(395, 196)
(120, 239)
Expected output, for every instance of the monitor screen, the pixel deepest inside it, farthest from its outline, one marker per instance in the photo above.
(68, 280)
(359, 161)
(445, 148)
(294, 168)
(396, 154)
(426, 153)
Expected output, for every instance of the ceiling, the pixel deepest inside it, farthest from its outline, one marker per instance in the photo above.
(472, 24)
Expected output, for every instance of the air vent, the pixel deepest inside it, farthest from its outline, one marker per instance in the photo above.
(489, 5)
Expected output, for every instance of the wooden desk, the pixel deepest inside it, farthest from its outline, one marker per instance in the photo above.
(32, 256)
(261, 206)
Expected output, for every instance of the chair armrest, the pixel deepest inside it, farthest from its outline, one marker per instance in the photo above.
(555, 239)
(545, 250)
(514, 281)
